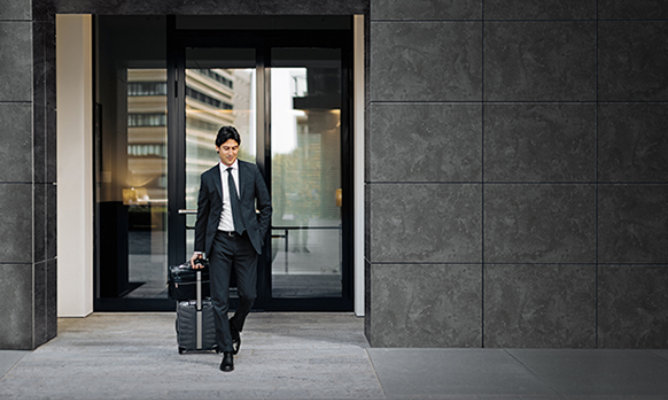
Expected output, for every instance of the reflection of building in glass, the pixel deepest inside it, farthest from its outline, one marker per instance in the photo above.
(211, 101)
(147, 133)
(214, 97)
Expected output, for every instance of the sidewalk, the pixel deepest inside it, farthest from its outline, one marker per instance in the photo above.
(310, 356)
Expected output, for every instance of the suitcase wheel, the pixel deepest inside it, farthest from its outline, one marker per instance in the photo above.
(181, 350)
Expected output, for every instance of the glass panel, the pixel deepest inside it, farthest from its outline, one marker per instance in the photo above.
(306, 172)
(220, 90)
(131, 157)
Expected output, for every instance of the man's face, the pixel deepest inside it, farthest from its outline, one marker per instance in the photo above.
(228, 151)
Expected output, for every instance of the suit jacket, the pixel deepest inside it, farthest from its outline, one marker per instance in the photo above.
(210, 205)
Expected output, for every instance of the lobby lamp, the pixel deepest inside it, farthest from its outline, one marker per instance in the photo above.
(135, 196)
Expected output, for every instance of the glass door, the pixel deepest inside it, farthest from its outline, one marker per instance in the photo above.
(220, 86)
(163, 88)
(287, 102)
(306, 173)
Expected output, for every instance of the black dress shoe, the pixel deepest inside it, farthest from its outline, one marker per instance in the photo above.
(236, 338)
(227, 364)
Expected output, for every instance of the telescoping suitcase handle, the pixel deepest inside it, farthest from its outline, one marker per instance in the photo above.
(199, 308)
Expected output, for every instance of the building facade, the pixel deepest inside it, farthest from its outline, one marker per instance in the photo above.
(515, 175)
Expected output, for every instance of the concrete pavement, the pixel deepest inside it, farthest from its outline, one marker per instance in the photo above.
(310, 356)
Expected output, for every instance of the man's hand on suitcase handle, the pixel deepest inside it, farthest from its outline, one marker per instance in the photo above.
(196, 256)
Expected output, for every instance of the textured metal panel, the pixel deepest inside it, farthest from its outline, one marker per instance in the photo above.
(426, 223)
(636, 9)
(431, 305)
(16, 149)
(540, 142)
(633, 145)
(16, 222)
(425, 9)
(540, 9)
(426, 61)
(633, 221)
(16, 61)
(633, 306)
(540, 223)
(16, 286)
(425, 142)
(548, 305)
(633, 59)
(529, 61)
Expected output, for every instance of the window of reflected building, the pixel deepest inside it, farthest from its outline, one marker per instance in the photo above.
(131, 157)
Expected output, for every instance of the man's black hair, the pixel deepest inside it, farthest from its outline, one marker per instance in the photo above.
(225, 133)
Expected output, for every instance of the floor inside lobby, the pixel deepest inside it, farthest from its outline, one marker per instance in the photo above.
(310, 356)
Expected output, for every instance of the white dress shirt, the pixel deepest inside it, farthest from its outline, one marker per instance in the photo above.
(226, 221)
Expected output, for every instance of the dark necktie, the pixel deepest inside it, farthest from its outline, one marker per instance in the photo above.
(239, 226)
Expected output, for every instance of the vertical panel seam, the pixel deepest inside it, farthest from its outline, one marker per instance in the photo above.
(482, 177)
(596, 163)
(32, 186)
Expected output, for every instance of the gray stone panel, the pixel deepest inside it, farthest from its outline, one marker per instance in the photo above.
(16, 149)
(210, 7)
(51, 299)
(426, 223)
(632, 224)
(15, 10)
(431, 305)
(546, 305)
(16, 306)
(39, 301)
(43, 87)
(633, 145)
(51, 140)
(51, 221)
(540, 9)
(430, 61)
(632, 9)
(540, 142)
(633, 59)
(425, 142)
(540, 223)
(425, 9)
(367, 220)
(16, 222)
(15, 61)
(368, 299)
(39, 219)
(38, 140)
(633, 306)
(528, 61)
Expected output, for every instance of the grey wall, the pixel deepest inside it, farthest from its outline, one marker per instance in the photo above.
(517, 168)
(517, 175)
(27, 179)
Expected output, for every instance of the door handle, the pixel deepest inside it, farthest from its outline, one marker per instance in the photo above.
(339, 197)
(187, 211)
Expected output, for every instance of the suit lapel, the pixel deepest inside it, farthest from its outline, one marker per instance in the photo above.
(217, 182)
(242, 178)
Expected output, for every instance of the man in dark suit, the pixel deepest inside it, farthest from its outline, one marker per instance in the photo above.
(230, 232)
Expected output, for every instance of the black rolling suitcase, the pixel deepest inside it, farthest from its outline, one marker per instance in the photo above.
(195, 325)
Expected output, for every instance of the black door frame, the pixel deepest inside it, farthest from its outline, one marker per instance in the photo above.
(263, 41)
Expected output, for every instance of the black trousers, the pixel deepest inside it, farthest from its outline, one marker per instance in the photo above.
(230, 252)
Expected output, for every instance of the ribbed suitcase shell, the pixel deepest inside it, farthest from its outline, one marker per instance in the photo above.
(195, 324)
(186, 326)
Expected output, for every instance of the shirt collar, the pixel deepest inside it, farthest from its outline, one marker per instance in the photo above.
(223, 167)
